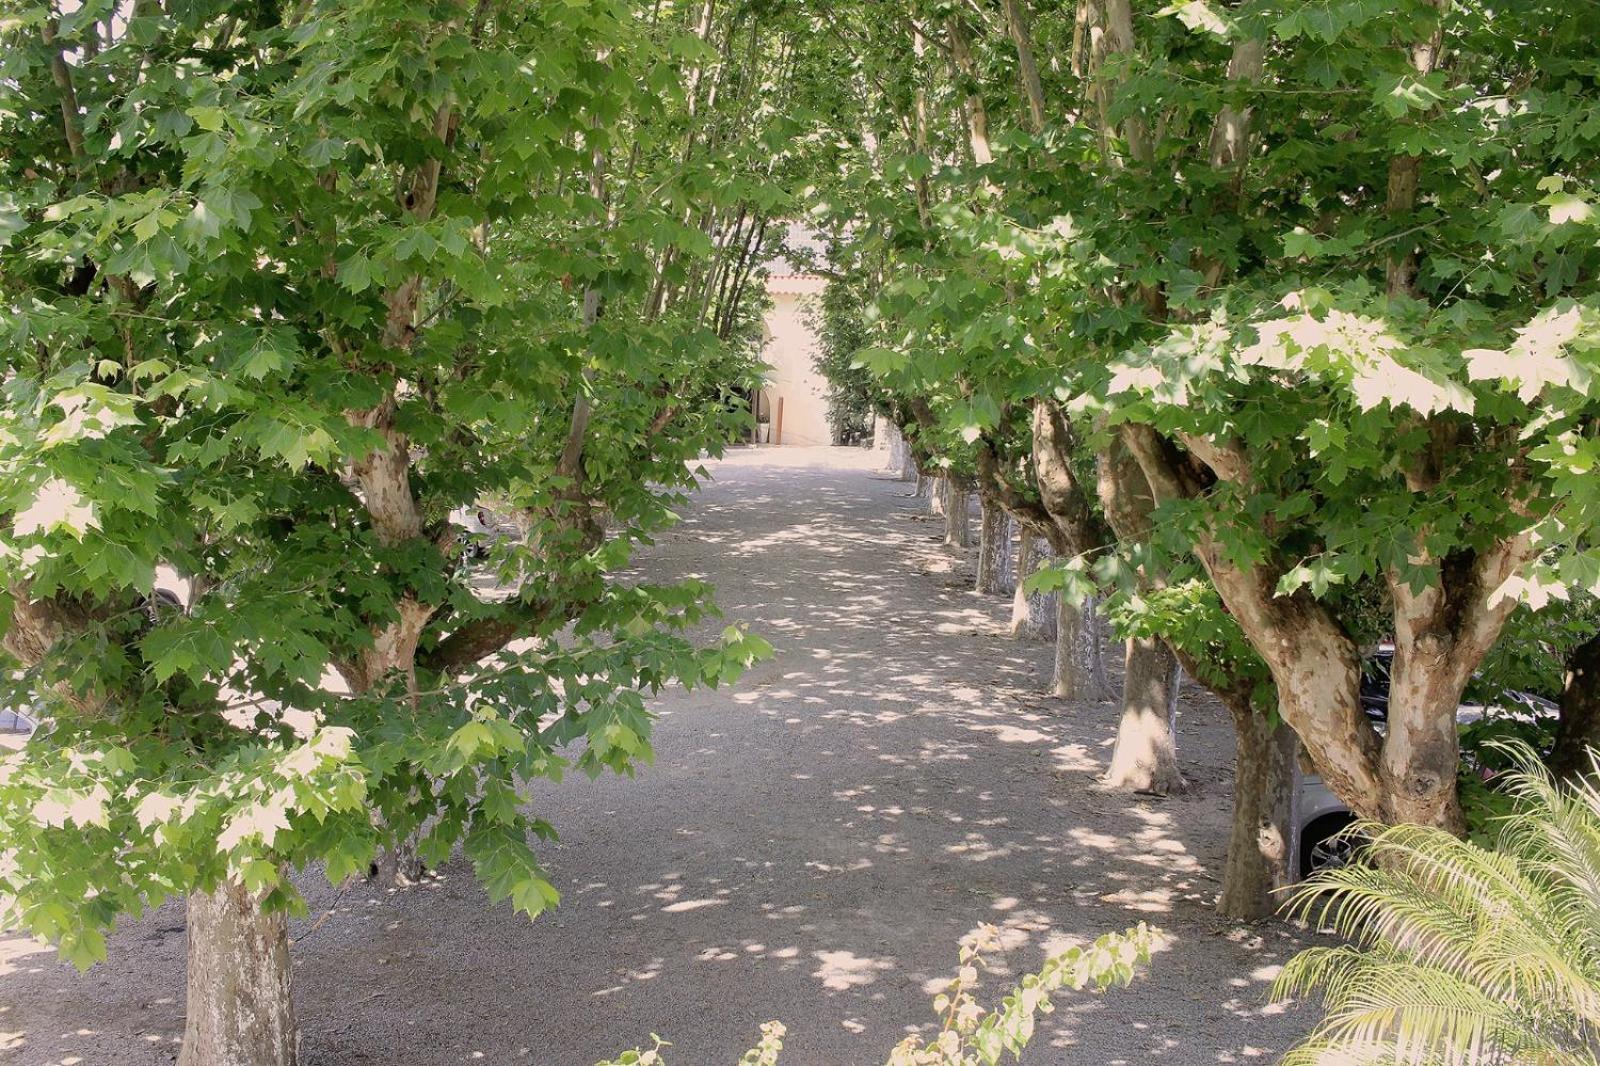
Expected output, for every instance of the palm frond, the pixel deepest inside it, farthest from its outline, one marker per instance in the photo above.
(1461, 955)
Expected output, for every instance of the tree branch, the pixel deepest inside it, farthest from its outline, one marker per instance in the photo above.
(1016, 13)
(993, 483)
(1067, 501)
(61, 73)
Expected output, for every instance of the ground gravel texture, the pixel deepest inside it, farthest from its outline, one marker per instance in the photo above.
(809, 846)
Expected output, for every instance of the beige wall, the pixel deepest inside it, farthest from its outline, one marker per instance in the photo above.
(789, 350)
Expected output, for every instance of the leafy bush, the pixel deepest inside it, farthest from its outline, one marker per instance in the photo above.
(840, 325)
(967, 1035)
(1463, 954)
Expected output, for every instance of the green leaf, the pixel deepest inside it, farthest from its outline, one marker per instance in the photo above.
(355, 273)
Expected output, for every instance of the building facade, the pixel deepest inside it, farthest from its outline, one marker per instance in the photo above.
(793, 405)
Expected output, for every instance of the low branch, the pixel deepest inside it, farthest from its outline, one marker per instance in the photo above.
(476, 640)
(1064, 496)
(993, 484)
(1016, 13)
(1226, 458)
(61, 73)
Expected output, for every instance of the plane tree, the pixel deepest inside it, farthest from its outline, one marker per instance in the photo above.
(1383, 375)
(283, 288)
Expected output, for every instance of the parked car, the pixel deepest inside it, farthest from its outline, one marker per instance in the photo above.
(1320, 817)
(15, 729)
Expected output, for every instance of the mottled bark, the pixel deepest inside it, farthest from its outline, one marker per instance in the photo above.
(1578, 730)
(1145, 758)
(33, 630)
(957, 515)
(240, 1011)
(994, 534)
(1025, 622)
(908, 465)
(1262, 830)
(973, 109)
(901, 463)
(1405, 179)
(1017, 25)
(1068, 680)
(1095, 638)
(1077, 528)
(1441, 634)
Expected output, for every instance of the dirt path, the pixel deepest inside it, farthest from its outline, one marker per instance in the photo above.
(809, 846)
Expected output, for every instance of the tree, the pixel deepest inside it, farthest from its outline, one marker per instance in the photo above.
(1201, 284)
(841, 332)
(282, 289)
(1350, 400)
(1314, 287)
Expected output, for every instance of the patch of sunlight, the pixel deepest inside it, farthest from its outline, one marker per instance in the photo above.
(647, 972)
(844, 970)
(977, 848)
(1074, 757)
(1088, 838)
(691, 905)
(1010, 734)
(13, 948)
(1150, 901)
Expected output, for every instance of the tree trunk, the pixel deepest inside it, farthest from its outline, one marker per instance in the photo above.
(1027, 67)
(993, 537)
(1094, 635)
(1068, 681)
(908, 463)
(1579, 727)
(240, 1011)
(1441, 634)
(1258, 844)
(922, 490)
(1422, 750)
(902, 464)
(393, 650)
(1314, 663)
(894, 447)
(1145, 758)
(1025, 622)
(938, 495)
(402, 864)
(957, 515)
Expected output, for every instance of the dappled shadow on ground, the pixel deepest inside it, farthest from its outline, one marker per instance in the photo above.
(810, 846)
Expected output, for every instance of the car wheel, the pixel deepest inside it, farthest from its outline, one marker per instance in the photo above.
(1326, 846)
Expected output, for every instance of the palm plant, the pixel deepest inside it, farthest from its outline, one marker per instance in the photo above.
(1459, 954)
